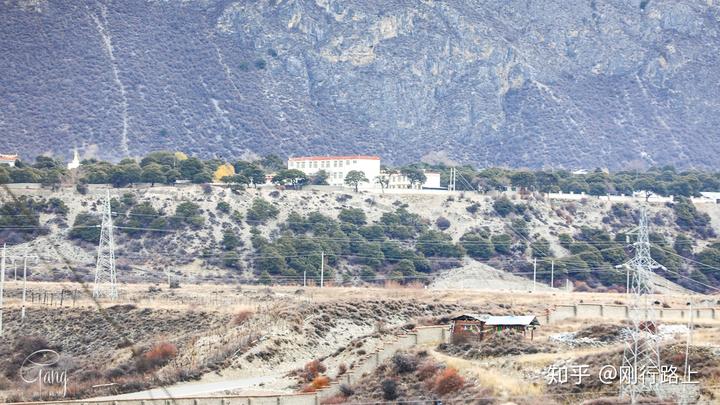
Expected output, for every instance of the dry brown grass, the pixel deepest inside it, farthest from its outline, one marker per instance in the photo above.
(503, 383)
(226, 298)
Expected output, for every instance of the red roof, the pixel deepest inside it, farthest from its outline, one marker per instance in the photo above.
(356, 157)
(9, 157)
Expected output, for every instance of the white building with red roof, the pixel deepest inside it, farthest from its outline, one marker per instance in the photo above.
(337, 167)
(8, 160)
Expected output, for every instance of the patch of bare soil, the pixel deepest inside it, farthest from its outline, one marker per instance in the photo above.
(336, 333)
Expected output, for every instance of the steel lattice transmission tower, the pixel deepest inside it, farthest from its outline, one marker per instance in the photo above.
(642, 348)
(105, 275)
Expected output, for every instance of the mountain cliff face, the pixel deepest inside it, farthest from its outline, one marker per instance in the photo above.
(561, 83)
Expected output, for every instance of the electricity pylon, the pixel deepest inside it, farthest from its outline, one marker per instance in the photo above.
(641, 358)
(105, 276)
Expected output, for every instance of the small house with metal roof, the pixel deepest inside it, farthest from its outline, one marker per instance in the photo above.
(476, 326)
(522, 323)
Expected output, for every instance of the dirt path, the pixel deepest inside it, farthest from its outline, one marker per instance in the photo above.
(253, 385)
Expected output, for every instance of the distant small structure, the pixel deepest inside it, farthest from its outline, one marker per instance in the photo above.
(398, 180)
(468, 326)
(523, 323)
(476, 326)
(75, 163)
(712, 195)
(9, 160)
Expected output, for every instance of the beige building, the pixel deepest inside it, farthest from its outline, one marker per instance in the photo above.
(337, 167)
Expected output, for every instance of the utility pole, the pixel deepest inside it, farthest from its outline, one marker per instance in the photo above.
(322, 269)
(627, 281)
(105, 276)
(642, 348)
(453, 176)
(685, 397)
(24, 290)
(304, 278)
(552, 273)
(2, 285)
(534, 274)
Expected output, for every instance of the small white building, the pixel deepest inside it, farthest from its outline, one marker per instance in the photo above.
(337, 167)
(75, 163)
(397, 180)
(8, 160)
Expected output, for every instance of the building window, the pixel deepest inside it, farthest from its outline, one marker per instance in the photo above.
(334, 163)
(347, 162)
(340, 164)
(354, 161)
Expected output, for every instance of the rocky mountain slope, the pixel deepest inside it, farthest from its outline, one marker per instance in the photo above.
(523, 83)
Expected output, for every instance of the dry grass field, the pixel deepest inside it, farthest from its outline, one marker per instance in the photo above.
(154, 335)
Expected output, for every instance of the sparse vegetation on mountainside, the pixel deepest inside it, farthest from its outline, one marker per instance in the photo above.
(263, 236)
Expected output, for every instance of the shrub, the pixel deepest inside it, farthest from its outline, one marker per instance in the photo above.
(473, 208)
(260, 64)
(313, 369)
(346, 390)
(260, 211)
(442, 223)
(223, 206)
(404, 363)
(187, 213)
(82, 188)
(503, 206)
(86, 227)
(427, 370)
(317, 383)
(389, 388)
(157, 356)
(342, 369)
(438, 244)
(242, 317)
(354, 216)
(448, 381)
(477, 246)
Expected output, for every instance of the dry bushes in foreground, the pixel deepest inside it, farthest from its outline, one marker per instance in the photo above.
(410, 375)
